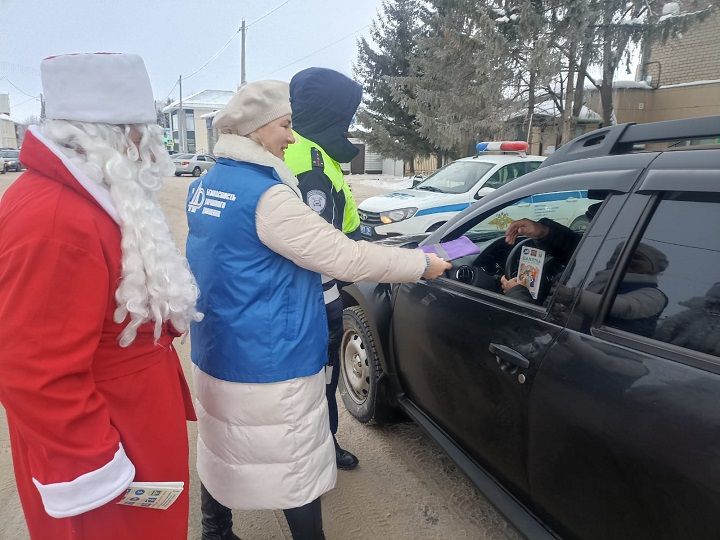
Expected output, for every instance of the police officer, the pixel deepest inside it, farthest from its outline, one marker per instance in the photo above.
(323, 105)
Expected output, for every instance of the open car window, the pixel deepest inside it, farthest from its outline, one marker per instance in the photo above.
(539, 262)
(567, 208)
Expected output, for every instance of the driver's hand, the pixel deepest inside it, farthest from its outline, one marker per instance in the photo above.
(525, 227)
(508, 284)
(436, 266)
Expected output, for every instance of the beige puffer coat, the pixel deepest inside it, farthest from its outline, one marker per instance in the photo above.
(269, 445)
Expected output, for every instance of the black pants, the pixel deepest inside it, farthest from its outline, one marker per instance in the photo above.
(335, 332)
(305, 522)
(334, 312)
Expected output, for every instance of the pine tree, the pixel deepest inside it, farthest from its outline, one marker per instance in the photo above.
(457, 74)
(392, 129)
(622, 22)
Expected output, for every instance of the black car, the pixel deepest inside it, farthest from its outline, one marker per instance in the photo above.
(592, 410)
(12, 160)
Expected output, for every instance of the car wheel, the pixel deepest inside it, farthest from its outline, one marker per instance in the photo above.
(580, 224)
(361, 386)
(177, 174)
(196, 172)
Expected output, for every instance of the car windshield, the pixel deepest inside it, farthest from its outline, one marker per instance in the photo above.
(457, 177)
(183, 156)
(9, 153)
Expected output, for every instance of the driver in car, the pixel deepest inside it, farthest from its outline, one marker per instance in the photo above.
(552, 237)
(555, 239)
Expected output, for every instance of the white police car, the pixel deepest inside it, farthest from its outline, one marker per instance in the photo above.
(428, 205)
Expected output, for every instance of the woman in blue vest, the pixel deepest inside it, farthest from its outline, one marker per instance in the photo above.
(259, 354)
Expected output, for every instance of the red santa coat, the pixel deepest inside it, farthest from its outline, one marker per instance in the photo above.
(86, 416)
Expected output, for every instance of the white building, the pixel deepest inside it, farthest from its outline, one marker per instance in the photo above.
(8, 136)
(369, 162)
(198, 127)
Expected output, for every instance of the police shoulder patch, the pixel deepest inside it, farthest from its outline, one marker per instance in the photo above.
(316, 158)
(317, 200)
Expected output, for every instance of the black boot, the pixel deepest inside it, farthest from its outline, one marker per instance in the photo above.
(345, 460)
(216, 518)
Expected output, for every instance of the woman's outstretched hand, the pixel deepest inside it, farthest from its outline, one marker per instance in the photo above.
(436, 266)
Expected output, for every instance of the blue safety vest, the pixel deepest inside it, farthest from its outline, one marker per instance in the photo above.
(264, 316)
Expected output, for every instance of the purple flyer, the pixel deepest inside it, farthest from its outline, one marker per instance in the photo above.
(454, 249)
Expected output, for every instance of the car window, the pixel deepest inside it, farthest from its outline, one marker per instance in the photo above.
(9, 154)
(457, 177)
(532, 165)
(670, 288)
(564, 207)
(506, 174)
(200, 158)
(210, 158)
(539, 262)
(183, 156)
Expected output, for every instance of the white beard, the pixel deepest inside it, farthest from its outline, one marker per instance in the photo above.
(156, 283)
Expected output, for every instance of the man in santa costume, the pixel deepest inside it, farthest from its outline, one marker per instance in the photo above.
(92, 292)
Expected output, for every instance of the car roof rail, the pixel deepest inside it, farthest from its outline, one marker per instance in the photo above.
(622, 138)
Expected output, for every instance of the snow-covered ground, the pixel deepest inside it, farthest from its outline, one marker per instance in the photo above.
(382, 181)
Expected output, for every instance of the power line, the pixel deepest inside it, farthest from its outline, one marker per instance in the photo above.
(268, 13)
(18, 89)
(36, 98)
(213, 57)
(171, 90)
(317, 51)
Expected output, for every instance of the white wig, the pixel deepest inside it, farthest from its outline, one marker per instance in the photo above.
(156, 283)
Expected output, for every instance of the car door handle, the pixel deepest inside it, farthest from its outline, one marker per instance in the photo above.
(509, 355)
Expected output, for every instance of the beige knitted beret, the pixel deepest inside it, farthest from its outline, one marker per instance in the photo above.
(253, 106)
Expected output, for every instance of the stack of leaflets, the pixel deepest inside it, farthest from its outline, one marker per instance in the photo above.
(158, 495)
(530, 269)
(454, 249)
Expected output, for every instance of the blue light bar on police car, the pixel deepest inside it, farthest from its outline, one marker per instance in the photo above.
(501, 146)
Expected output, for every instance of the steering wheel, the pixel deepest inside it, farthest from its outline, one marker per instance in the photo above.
(513, 259)
(551, 268)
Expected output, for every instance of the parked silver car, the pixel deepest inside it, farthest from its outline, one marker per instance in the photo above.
(12, 160)
(193, 164)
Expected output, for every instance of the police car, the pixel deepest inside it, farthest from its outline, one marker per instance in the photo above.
(451, 189)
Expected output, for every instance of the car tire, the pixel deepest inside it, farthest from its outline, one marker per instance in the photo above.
(362, 386)
(196, 172)
(177, 174)
(580, 224)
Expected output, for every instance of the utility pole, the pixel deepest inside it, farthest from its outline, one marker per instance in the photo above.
(242, 53)
(181, 123)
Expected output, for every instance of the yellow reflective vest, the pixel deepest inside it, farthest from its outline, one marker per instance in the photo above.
(302, 156)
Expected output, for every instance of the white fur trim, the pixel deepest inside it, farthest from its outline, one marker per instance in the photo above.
(100, 193)
(104, 88)
(90, 490)
(242, 148)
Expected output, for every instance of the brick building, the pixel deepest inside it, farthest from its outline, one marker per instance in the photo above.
(680, 78)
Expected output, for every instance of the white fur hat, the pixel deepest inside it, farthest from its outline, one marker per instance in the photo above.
(108, 88)
(255, 104)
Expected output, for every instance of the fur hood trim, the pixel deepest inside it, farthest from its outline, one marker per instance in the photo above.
(240, 148)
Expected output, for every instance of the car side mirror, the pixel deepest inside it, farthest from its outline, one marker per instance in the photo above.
(483, 191)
